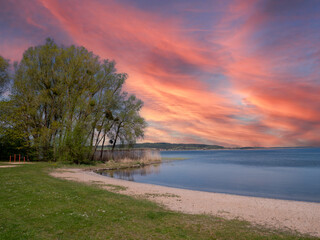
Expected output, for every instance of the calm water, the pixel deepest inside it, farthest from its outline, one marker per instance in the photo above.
(292, 174)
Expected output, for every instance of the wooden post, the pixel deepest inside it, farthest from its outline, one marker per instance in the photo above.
(10, 158)
(19, 157)
(24, 159)
(14, 157)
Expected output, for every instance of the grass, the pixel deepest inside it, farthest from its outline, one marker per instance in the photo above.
(34, 205)
(167, 195)
(115, 187)
(111, 187)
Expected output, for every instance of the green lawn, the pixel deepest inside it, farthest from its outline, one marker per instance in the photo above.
(34, 205)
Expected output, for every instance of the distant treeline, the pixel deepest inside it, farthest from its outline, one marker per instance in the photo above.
(177, 146)
(167, 146)
(186, 146)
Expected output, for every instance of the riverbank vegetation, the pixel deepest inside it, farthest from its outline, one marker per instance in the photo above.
(34, 205)
(64, 102)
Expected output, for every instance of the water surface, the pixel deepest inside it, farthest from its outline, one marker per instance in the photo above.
(292, 174)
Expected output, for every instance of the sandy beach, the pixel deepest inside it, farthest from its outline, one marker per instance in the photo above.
(303, 217)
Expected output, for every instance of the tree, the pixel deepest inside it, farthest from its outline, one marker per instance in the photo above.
(129, 125)
(68, 101)
(4, 74)
(13, 140)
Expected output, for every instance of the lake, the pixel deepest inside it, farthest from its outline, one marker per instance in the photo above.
(292, 174)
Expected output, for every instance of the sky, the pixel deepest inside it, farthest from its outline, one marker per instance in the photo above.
(226, 72)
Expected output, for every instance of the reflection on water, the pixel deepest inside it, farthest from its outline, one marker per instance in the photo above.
(130, 173)
(292, 174)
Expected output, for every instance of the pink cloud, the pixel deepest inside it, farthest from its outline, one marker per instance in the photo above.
(231, 87)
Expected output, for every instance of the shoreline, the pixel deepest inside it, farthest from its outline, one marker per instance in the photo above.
(302, 217)
(207, 191)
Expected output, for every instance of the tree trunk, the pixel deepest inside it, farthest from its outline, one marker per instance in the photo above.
(115, 140)
(97, 142)
(104, 139)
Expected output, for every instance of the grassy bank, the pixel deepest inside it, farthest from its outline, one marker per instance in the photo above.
(34, 205)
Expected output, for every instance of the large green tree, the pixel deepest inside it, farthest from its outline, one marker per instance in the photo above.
(67, 101)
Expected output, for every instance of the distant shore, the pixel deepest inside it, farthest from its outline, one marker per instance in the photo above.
(196, 147)
(303, 217)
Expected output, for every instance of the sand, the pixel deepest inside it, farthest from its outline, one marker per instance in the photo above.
(303, 217)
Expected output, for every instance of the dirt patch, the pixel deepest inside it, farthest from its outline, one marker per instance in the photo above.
(7, 166)
(19, 163)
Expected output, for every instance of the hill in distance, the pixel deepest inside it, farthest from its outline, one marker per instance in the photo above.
(187, 146)
(177, 146)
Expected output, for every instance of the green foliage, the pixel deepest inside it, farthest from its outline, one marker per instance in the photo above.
(12, 140)
(64, 100)
(74, 146)
(129, 125)
(4, 74)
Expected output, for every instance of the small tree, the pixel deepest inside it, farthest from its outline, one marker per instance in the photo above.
(129, 125)
(4, 74)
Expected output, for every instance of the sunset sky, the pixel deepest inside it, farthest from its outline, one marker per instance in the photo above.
(233, 73)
